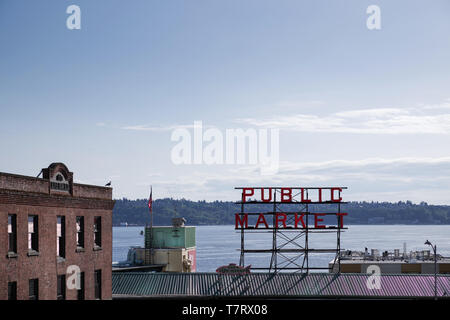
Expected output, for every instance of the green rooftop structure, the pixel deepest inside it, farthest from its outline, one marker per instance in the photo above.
(167, 249)
(172, 246)
(170, 237)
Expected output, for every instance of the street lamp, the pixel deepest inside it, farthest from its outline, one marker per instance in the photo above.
(435, 266)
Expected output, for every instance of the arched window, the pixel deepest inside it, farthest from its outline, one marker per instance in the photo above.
(59, 183)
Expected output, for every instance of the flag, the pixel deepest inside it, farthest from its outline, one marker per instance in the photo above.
(150, 201)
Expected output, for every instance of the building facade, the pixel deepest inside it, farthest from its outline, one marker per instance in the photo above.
(414, 262)
(55, 237)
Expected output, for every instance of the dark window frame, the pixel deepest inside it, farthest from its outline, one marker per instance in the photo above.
(61, 239)
(33, 289)
(61, 287)
(80, 231)
(12, 290)
(98, 231)
(81, 291)
(12, 236)
(34, 245)
(98, 284)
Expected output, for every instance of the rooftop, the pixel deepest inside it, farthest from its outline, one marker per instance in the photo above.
(148, 285)
(56, 180)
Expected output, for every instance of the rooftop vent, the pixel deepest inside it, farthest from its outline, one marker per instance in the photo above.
(178, 222)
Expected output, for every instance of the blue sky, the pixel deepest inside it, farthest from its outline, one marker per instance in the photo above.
(365, 109)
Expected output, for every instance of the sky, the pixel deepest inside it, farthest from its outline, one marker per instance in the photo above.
(360, 108)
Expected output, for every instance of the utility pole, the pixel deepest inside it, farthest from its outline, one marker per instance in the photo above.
(435, 267)
(150, 207)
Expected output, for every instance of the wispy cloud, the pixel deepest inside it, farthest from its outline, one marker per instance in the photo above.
(384, 179)
(299, 104)
(156, 128)
(444, 105)
(396, 171)
(363, 121)
(425, 119)
(372, 113)
(363, 163)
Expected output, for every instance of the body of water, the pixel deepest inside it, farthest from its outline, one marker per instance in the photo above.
(220, 245)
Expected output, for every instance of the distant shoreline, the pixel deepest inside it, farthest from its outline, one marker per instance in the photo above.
(349, 224)
(223, 213)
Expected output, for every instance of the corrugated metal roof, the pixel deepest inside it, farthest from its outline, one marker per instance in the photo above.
(280, 284)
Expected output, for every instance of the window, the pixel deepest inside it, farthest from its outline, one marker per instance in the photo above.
(59, 183)
(33, 235)
(80, 232)
(12, 290)
(80, 291)
(61, 236)
(98, 284)
(12, 233)
(33, 289)
(61, 288)
(98, 231)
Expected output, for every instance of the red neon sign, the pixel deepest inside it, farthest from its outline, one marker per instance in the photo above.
(303, 195)
(298, 221)
(291, 220)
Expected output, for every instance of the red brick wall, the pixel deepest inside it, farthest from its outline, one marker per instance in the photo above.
(37, 185)
(23, 183)
(86, 191)
(45, 267)
(24, 198)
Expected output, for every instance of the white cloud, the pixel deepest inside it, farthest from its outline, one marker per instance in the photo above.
(372, 113)
(346, 164)
(363, 121)
(444, 105)
(164, 128)
(153, 175)
(156, 128)
(299, 104)
(372, 179)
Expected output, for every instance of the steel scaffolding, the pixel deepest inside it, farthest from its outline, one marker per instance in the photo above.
(291, 249)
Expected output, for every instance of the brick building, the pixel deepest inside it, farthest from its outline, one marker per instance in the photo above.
(55, 237)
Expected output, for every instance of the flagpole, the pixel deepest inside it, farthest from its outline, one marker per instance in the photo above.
(150, 204)
(151, 207)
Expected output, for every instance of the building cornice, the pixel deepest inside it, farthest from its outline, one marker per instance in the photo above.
(16, 197)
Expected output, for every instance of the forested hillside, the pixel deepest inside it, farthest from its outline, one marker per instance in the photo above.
(219, 212)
